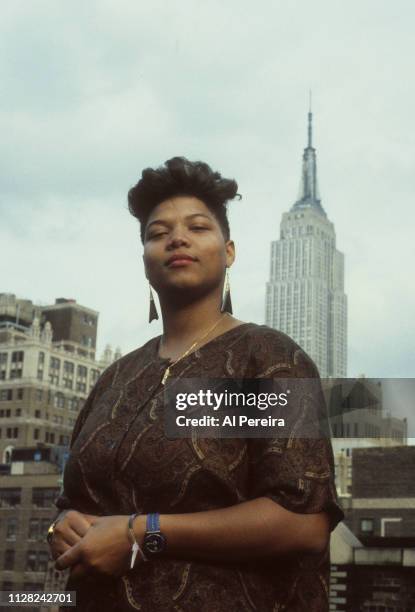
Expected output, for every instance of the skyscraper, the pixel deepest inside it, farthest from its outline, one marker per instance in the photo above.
(305, 294)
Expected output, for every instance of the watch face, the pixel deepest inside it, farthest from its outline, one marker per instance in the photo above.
(154, 543)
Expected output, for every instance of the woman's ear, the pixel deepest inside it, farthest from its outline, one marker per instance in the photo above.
(230, 252)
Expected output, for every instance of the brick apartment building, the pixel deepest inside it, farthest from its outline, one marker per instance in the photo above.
(373, 551)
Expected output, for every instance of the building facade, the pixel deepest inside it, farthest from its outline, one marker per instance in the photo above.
(47, 369)
(305, 295)
(359, 418)
(27, 493)
(44, 380)
(373, 550)
(375, 576)
(383, 492)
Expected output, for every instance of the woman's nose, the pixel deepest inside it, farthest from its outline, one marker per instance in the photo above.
(178, 238)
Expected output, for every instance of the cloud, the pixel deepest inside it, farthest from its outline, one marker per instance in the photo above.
(94, 92)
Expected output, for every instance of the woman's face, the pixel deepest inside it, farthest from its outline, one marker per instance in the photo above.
(184, 248)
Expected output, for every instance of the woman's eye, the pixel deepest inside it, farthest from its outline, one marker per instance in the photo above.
(158, 235)
(198, 227)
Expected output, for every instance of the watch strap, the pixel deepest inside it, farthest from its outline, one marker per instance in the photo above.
(153, 522)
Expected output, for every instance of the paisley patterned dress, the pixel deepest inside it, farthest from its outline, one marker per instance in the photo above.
(122, 462)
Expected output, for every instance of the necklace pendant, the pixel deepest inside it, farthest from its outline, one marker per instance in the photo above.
(165, 376)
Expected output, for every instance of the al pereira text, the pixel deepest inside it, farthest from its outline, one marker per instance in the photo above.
(239, 420)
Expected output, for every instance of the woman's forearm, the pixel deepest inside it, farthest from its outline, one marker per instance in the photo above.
(252, 529)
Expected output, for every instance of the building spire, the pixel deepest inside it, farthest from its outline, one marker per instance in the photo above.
(310, 122)
(308, 194)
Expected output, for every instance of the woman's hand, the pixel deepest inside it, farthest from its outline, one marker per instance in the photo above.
(104, 548)
(69, 530)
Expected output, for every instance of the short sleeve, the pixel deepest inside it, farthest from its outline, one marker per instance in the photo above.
(297, 471)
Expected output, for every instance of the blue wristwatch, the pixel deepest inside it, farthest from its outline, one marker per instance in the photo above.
(154, 542)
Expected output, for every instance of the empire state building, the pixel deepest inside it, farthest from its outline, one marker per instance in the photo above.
(305, 294)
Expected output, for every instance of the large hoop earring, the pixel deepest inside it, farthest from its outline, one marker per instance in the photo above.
(226, 298)
(153, 314)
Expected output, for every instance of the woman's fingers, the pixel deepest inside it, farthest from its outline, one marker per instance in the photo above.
(77, 521)
(70, 557)
(66, 535)
(57, 549)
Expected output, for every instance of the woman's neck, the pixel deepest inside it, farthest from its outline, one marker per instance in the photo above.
(185, 324)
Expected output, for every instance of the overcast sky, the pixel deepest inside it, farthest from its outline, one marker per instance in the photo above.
(93, 92)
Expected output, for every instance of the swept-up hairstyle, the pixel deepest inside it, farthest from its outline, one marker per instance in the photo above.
(179, 176)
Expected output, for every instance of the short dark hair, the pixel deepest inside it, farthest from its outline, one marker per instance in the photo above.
(179, 176)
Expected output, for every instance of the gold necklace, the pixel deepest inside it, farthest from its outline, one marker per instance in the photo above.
(167, 372)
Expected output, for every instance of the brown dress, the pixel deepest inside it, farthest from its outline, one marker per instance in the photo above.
(121, 462)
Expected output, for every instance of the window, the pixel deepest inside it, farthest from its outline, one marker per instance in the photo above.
(54, 368)
(36, 434)
(82, 371)
(19, 394)
(38, 414)
(38, 528)
(17, 364)
(73, 403)
(366, 526)
(68, 372)
(37, 560)
(44, 497)
(88, 320)
(15, 373)
(9, 559)
(11, 528)
(94, 375)
(39, 395)
(55, 363)
(12, 433)
(3, 366)
(81, 387)
(10, 498)
(5, 395)
(86, 341)
(7, 586)
(18, 412)
(59, 400)
(41, 359)
(68, 367)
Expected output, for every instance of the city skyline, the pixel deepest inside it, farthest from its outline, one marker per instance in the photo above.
(85, 111)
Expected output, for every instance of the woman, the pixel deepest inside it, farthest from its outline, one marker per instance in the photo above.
(225, 524)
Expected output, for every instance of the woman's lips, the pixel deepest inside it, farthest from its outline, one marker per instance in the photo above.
(178, 263)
